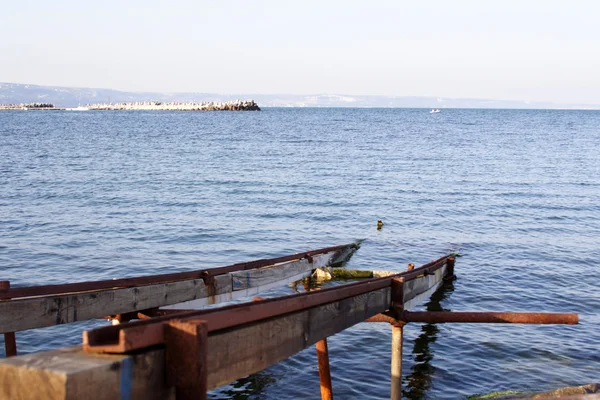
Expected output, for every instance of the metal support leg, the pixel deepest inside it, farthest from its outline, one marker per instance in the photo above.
(396, 382)
(324, 373)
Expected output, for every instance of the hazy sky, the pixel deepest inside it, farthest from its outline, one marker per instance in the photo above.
(513, 50)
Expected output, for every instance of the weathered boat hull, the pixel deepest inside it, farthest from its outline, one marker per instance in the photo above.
(36, 307)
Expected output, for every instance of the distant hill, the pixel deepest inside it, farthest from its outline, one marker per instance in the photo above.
(71, 97)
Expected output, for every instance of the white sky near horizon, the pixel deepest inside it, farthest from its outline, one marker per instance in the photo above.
(525, 50)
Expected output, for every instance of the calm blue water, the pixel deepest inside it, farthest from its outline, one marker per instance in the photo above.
(98, 195)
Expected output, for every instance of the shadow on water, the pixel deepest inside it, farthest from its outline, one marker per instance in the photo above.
(419, 381)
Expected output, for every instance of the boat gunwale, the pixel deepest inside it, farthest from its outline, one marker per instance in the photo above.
(146, 280)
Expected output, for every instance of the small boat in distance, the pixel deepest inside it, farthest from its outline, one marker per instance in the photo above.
(434, 110)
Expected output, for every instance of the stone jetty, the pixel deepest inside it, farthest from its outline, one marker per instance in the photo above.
(237, 105)
(27, 106)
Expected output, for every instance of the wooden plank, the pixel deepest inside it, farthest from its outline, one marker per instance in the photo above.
(71, 374)
(37, 312)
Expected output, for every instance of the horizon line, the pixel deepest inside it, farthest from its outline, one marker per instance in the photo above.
(438, 98)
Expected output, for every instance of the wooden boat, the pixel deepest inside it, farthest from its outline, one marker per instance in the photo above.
(39, 306)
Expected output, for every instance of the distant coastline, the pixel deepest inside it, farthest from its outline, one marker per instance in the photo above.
(63, 96)
(237, 105)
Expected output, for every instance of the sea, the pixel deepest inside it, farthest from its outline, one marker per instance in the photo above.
(516, 193)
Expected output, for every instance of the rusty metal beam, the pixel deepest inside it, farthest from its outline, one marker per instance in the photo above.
(142, 334)
(146, 333)
(397, 294)
(384, 317)
(157, 279)
(440, 317)
(468, 317)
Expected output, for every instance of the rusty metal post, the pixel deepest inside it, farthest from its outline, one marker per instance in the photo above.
(397, 293)
(10, 341)
(324, 373)
(396, 370)
(450, 269)
(186, 358)
(450, 266)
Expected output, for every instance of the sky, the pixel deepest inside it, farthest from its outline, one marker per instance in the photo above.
(525, 50)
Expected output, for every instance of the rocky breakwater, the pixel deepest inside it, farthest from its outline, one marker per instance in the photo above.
(177, 106)
(27, 106)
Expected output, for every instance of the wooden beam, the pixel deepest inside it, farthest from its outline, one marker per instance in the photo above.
(71, 374)
(37, 312)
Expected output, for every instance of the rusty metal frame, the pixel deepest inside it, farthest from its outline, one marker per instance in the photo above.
(142, 334)
(185, 334)
(205, 274)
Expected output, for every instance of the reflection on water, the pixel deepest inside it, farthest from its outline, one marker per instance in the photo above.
(250, 387)
(419, 381)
